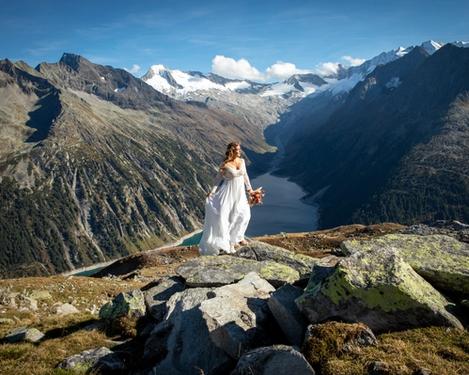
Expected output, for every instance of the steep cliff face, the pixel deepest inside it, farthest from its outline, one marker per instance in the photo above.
(91, 169)
(395, 149)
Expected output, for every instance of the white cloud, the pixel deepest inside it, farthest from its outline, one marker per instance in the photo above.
(283, 70)
(327, 68)
(237, 69)
(353, 61)
(134, 69)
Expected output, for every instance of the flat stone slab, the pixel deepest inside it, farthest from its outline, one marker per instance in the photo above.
(24, 334)
(214, 271)
(258, 250)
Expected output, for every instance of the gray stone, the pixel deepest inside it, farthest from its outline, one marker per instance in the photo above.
(130, 304)
(181, 344)
(273, 360)
(440, 259)
(260, 251)
(156, 296)
(98, 359)
(237, 314)
(379, 289)
(212, 271)
(286, 313)
(65, 309)
(24, 334)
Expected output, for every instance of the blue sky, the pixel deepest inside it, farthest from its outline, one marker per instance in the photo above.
(187, 35)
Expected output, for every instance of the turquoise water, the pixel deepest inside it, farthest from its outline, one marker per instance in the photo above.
(88, 272)
(282, 210)
(194, 240)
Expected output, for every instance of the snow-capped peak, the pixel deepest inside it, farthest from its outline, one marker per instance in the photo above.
(460, 43)
(156, 69)
(431, 46)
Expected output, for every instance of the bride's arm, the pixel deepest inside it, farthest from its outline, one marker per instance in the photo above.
(247, 182)
(216, 181)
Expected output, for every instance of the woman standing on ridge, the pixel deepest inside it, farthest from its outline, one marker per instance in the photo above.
(227, 211)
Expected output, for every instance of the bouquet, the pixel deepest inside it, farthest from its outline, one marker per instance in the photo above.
(256, 196)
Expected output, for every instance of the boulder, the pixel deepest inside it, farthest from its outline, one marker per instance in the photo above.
(441, 260)
(286, 313)
(377, 288)
(273, 360)
(213, 271)
(130, 304)
(40, 294)
(64, 309)
(99, 359)
(261, 251)
(237, 315)
(332, 339)
(181, 343)
(24, 334)
(156, 296)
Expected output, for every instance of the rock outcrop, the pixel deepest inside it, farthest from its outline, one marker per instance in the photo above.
(440, 259)
(379, 289)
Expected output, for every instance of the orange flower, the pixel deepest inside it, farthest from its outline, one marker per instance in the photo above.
(256, 196)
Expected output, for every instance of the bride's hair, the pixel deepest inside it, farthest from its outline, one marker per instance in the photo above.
(230, 153)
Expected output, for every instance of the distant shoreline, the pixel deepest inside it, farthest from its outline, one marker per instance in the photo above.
(107, 263)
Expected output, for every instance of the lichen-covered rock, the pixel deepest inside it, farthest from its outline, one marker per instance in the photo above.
(237, 314)
(130, 304)
(258, 250)
(440, 259)
(98, 359)
(379, 289)
(332, 339)
(213, 271)
(156, 296)
(273, 360)
(286, 313)
(24, 334)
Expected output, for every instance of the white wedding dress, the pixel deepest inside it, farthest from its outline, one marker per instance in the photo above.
(227, 211)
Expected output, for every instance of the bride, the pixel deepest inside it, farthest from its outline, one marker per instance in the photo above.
(227, 211)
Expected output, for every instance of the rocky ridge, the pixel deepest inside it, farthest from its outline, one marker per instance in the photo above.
(354, 302)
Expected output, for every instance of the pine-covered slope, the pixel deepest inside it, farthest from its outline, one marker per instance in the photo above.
(96, 164)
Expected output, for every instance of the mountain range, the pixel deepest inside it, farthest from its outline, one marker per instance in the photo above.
(96, 163)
